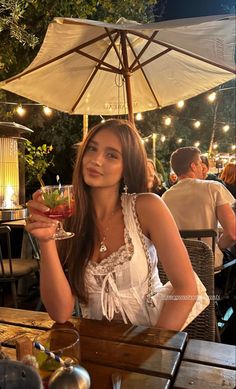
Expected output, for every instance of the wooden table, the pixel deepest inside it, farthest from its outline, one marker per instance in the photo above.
(145, 357)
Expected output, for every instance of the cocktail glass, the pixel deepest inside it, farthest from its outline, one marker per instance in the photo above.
(65, 343)
(60, 201)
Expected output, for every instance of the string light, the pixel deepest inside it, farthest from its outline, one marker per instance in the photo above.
(20, 110)
(167, 121)
(197, 144)
(180, 104)
(215, 146)
(180, 140)
(226, 128)
(139, 116)
(212, 97)
(233, 147)
(163, 138)
(47, 111)
(197, 124)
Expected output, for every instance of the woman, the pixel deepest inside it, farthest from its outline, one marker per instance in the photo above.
(111, 262)
(154, 184)
(228, 175)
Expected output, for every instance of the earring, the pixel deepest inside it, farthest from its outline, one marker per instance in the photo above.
(125, 189)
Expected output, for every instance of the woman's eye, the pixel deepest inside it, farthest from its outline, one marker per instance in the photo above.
(111, 155)
(91, 148)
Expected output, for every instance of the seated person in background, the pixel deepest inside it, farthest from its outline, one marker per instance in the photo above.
(154, 182)
(205, 170)
(228, 175)
(172, 179)
(199, 204)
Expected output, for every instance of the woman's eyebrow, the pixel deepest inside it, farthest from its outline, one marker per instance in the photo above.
(113, 149)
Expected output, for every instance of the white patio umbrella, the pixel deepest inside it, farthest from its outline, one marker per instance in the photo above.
(96, 68)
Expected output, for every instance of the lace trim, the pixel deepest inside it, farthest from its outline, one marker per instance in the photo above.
(150, 292)
(122, 255)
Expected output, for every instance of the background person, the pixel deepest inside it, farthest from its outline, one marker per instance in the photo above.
(228, 175)
(200, 204)
(112, 261)
(154, 181)
(205, 170)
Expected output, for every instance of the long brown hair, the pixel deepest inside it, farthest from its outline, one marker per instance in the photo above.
(75, 253)
(228, 174)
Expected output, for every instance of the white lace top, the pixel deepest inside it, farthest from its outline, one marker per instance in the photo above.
(118, 285)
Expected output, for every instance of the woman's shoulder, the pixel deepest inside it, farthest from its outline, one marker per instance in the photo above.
(147, 202)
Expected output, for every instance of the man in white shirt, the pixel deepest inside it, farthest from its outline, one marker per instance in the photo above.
(200, 204)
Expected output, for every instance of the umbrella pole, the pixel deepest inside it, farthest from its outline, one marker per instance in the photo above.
(127, 76)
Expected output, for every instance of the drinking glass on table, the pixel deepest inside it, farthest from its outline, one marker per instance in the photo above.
(59, 198)
(64, 342)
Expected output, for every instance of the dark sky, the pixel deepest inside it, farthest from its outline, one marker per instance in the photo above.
(177, 9)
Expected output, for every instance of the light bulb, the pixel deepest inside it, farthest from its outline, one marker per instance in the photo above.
(167, 121)
(139, 116)
(212, 97)
(47, 111)
(20, 110)
(226, 128)
(180, 104)
(197, 124)
(197, 144)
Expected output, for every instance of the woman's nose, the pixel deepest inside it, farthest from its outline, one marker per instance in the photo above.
(97, 159)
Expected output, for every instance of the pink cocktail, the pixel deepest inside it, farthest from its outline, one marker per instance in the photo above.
(60, 201)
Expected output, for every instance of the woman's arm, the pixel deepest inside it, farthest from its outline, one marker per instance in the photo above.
(158, 224)
(54, 286)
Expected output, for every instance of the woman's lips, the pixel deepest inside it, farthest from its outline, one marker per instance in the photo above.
(93, 172)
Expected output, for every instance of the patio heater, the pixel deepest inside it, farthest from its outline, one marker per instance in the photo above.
(12, 181)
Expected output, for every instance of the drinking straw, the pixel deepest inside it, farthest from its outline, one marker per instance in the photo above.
(58, 181)
(40, 347)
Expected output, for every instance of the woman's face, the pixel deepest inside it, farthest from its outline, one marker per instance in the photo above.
(150, 175)
(102, 161)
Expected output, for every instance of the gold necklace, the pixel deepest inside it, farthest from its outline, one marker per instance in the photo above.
(103, 248)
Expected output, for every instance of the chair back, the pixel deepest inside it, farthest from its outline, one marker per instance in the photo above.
(201, 257)
(199, 234)
(5, 230)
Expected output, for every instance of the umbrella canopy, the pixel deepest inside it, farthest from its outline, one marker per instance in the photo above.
(96, 68)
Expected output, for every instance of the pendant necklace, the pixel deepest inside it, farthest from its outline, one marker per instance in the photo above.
(103, 247)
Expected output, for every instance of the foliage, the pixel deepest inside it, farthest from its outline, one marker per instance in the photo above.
(23, 24)
(197, 108)
(37, 160)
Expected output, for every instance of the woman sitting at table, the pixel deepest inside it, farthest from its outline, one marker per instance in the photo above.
(112, 260)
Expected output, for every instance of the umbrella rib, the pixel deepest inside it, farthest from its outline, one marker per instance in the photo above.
(195, 56)
(182, 51)
(144, 74)
(95, 59)
(25, 73)
(143, 49)
(115, 48)
(151, 59)
(98, 66)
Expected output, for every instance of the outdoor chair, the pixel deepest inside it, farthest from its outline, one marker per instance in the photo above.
(13, 270)
(201, 256)
(225, 279)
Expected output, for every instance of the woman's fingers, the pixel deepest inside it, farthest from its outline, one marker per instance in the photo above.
(36, 206)
(41, 230)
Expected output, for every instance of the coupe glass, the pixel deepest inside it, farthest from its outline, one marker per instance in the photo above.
(61, 203)
(64, 342)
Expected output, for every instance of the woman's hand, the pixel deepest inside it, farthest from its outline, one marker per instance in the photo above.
(38, 224)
